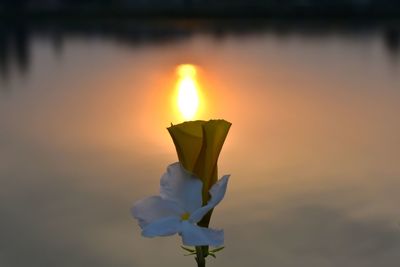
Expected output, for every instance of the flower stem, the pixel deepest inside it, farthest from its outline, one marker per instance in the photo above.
(200, 259)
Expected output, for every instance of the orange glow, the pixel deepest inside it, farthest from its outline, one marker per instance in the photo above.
(188, 91)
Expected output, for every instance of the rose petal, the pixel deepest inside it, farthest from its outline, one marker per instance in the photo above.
(193, 235)
(154, 208)
(180, 186)
(217, 193)
(214, 135)
(188, 140)
(163, 227)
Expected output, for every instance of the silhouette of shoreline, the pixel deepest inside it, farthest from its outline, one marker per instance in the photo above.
(205, 13)
(16, 35)
(201, 8)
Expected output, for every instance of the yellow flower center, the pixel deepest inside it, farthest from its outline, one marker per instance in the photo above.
(185, 216)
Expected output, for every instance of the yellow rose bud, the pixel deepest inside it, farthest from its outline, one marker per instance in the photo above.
(198, 145)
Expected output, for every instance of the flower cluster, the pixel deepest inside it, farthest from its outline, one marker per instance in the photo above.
(189, 190)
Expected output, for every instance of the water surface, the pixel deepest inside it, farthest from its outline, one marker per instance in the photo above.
(314, 149)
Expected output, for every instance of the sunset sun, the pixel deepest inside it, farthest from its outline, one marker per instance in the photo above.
(188, 97)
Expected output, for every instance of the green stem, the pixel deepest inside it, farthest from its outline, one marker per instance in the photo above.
(200, 259)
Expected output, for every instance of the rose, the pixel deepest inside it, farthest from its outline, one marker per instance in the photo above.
(198, 145)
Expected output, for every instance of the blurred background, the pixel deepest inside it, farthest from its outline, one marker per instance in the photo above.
(205, 7)
(312, 88)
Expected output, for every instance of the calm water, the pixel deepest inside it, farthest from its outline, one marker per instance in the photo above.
(314, 149)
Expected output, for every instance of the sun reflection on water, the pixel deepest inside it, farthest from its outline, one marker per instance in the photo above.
(188, 99)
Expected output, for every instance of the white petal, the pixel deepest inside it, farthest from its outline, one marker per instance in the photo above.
(163, 227)
(217, 193)
(179, 185)
(193, 235)
(154, 208)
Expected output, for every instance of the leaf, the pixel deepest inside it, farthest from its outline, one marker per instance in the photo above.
(212, 255)
(190, 254)
(188, 249)
(217, 249)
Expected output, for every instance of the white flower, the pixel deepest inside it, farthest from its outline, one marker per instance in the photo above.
(178, 208)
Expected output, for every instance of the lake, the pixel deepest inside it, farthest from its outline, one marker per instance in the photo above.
(313, 151)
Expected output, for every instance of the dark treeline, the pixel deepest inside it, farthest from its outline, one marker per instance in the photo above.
(203, 7)
(16, 37)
